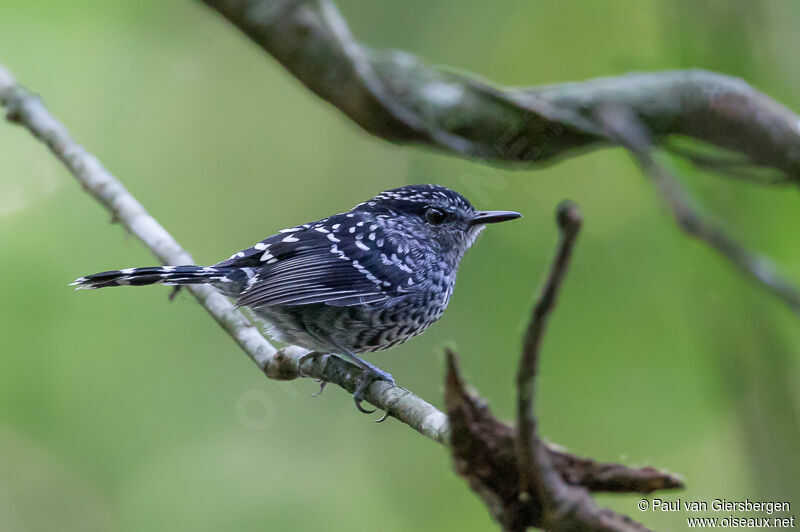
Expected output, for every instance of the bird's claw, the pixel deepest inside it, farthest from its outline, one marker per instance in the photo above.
(365, 380)
(369, 374)
(360, 408)
(301, 361)
(322, 384)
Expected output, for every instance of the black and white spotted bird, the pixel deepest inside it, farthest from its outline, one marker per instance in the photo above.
(360, 281)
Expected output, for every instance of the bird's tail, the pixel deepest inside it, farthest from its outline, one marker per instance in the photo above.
(169, 275)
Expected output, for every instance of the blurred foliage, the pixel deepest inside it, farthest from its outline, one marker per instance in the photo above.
(120, 411)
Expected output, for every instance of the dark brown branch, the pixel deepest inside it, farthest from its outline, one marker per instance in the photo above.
(484, 453)
(522, 481)
(629, 132)
(475, 418)
(532, 474)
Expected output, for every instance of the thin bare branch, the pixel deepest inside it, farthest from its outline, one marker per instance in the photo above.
(532, 475)
(629, 132)
(562, 507)
(27, 110)
(729, 166)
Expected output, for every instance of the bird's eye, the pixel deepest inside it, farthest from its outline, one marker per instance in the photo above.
(435, 216)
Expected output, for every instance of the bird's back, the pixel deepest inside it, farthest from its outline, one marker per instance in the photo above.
(351, 281)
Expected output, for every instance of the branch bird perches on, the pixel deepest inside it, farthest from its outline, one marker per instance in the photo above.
(395, 96)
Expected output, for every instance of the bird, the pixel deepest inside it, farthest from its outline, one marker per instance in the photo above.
(360, 281)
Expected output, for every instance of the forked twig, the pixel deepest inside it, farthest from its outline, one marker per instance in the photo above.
(520, 480)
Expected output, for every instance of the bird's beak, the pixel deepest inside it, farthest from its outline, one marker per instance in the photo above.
(493, 217)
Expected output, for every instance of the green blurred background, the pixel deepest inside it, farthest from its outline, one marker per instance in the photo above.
(120, 411)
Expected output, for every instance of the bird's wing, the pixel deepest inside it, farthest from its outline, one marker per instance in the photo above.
(312, 264)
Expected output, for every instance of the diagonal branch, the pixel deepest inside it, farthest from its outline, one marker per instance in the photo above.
(394, 95)
(27, 110)
(630, 133)
(536, 472)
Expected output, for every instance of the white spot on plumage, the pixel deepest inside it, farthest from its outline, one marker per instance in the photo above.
(397, 262)
(359, 224)
(321, 230)
(366, 272)
(209, 269)
(272, 261)
(127, 271)
(260, 246)
(373, 227)
(290, 239)
(372, 236)
(251, 276)
(352, 230)
(168, 268)
(361, 245)
(333, 238)
(290, 230)
(266, 256)
(335, 250)
(336, 226)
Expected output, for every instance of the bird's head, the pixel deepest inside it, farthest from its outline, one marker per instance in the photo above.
(433, 214)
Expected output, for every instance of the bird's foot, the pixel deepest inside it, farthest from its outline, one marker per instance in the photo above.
(313, 355)
(174, 293)
(365, 380)
(322, 384)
